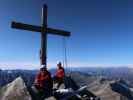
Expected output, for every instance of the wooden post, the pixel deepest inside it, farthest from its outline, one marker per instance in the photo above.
(43, 56)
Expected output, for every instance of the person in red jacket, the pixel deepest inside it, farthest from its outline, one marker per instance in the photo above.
(43, 82)
(60, 74)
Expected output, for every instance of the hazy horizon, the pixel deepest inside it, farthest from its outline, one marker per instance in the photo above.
(36, 67)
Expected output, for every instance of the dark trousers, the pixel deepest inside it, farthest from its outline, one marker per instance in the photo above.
(44, 92)
(58, 80)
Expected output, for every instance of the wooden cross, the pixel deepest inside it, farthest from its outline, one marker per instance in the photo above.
(44, 30)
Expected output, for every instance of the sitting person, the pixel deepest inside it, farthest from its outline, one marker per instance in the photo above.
(60, 74)
(43, 83)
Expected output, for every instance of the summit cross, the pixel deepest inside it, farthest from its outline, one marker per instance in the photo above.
(44, 30)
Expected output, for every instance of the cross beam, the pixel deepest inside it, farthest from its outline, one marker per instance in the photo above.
(38, 29)
(44, 30)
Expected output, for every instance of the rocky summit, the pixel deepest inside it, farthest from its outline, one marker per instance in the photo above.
(15, 90)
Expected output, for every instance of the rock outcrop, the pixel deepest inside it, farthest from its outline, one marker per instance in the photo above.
(104, 91)
(100, 88)
(15, 90)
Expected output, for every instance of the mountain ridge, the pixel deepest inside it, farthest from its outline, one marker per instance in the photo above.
(15, 90)
(100, 86)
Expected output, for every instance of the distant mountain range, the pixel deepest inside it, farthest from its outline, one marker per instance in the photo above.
(123, 73)
(106, 83)
(104, 88)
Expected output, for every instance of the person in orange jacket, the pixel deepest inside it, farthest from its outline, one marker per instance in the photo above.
(43, 82)
(60, 74)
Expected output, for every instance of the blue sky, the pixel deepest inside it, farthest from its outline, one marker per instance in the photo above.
(101, 32)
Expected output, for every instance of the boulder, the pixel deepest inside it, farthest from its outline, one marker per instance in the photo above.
(15, 90)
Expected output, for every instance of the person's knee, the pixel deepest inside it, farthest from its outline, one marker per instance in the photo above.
(34, 89)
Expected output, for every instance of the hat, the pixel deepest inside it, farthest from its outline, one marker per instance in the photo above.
(43, 67)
